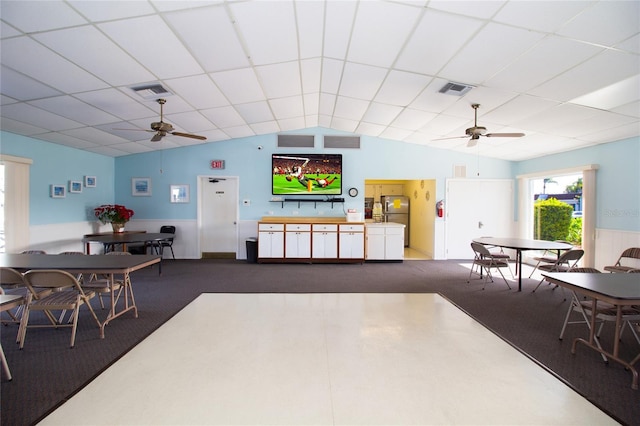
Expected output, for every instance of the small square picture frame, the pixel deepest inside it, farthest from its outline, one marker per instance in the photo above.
(179, 193)
(141, 187)
(58, 191)
(90, 182)
(75, 186)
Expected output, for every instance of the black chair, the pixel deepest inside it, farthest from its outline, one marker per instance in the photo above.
(167, 242)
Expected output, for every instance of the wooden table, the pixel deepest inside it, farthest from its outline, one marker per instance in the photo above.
(8, 302)
(87, 244)
(96, 264)
(520, 245)
(618, 289)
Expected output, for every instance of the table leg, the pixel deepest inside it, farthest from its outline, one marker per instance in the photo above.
(5, 366)
(519, 268)
(129, 301)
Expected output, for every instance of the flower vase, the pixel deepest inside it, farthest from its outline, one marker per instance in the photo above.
(117, 227)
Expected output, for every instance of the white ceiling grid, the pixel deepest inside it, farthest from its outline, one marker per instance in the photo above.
(565, 73)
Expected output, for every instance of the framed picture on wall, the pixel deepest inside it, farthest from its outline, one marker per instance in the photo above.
(58, 191)
(90, 181)
(141, 187)
(75, 186)
(179, 193)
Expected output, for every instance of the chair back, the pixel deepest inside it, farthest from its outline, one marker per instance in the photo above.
(570, 256)
(480, 250)
(11, 278)
(117, 253)
(33, 252)
(167, 229)
(71, 253)
(50, 278)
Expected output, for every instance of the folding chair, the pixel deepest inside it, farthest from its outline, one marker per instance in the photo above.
(563, 263)
(485, 261)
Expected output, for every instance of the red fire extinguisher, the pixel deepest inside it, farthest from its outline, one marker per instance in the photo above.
(440, 208)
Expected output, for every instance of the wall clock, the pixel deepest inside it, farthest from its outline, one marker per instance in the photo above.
(353, 192)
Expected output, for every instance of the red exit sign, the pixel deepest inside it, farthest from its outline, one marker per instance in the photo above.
(217, 164)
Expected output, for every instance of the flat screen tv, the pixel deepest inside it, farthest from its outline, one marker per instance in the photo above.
(306, 174)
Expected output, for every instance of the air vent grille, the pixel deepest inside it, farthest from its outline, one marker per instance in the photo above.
(296, 141)
(151, 91)
(456, 89)
(342, 142)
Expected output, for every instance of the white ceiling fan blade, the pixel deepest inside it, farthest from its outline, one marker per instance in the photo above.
(452, 137)
(472, 142)
(504, 135)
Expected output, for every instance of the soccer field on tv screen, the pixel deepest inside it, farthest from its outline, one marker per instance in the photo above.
(282, 186)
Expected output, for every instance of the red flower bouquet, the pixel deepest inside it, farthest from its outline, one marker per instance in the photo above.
(113, 213)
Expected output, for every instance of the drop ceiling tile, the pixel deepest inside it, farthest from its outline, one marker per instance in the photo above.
(239, 132)
(94, 136)
(338, 27)
(311, 121)
(224, 117)
(255, 112)
(327, 104)
(383, 114)
(198, 90)
(604, 69)
(287, 107)
(21, 87)
(188, 122)
(603, 24)
(597, 122)
(412, 119)
(370, 129)
(344, 124)
(311, 103)
(310, 70)
(38, 117)
(32, 16)
(19, 127)
(211, 37)
(120, 150)
(265, 128)
(272, 43)
(96, 54)
(7, 31)
(170, 5)
(280, 80)
(118, 103)
(380, 31)
(517, 109)
(295, 123)
(361, 81)
(57, 71)
(476, 9)
(444, 125)
(394, 133)
(160, 51)
(331, 75)
(632, 44)
(545, 16)
(352, 109)
(401, 88)
(127, 130)
(613, 134)
(239, 86)
(542, 63)
(99, 11)
(435, 41)
(559, 115)
(614, 95)
(495, 47)
(74, 109)
(310, 28)
(631, 109)
(64, 139)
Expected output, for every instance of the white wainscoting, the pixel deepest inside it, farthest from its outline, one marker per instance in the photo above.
(611, 243)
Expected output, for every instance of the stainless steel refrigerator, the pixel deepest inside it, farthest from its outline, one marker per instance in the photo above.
(395, 208)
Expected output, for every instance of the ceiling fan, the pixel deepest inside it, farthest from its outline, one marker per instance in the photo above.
(162, 128)
(476, 131)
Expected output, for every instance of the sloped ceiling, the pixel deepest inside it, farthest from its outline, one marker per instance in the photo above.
(565, 73)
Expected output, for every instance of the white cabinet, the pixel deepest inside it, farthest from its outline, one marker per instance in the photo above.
(351, 241)
(324, 241)
(271, 240)
(376, 191)
(385, 241)
(297, 241)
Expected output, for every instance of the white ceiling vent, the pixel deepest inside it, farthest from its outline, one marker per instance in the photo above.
(455, 89)
(151, 91)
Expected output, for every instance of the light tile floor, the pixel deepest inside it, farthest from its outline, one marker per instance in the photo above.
(325, 359)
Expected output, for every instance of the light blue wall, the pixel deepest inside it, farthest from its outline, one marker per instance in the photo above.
(376, 159)
(58, 164)
(618, 179)
(618, 190)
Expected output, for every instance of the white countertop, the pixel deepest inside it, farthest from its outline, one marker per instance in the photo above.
(385, 224)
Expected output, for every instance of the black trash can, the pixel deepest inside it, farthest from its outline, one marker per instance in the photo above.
(252, 250)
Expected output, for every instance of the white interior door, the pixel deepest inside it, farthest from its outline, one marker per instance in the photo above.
(476, 208)
(218, 214)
